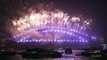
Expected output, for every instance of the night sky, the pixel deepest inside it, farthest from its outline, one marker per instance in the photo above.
(91, 9)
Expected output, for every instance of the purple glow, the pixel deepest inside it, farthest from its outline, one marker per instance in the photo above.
(76, 41)
(63, 31)
(67, 40)
(30, 40)
(45, 40)
(79, 36)
(76, 36)
(79, 40)
(45, 31)
(39, 40)
(93, 37)
(68, 33)
(18, 41)
(83, 33)
(14, 36)
(55, 30)
(21, 40)
(83, 41)
(86, 35)
(73, 34)
(58, 31)
(27, 41)
(61, 40)
(49, 40)
(86, 41)
(70, 40)
(58, 41)
(24, 38)
(18, 35)
(73, 40)
(55, 40)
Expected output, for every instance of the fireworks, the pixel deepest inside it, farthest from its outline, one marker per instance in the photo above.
(48, 18)
(32, 27)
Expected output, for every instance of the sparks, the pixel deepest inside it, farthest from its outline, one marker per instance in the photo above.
(29, 27)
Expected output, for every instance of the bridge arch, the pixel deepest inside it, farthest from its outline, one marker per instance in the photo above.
(80, 36)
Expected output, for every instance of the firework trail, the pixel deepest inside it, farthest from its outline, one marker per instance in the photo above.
(26, 25)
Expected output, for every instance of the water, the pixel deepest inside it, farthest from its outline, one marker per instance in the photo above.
(73, 57)
(64, 57)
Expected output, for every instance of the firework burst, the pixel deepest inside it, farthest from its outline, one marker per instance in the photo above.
(49, 18)
(28, 25)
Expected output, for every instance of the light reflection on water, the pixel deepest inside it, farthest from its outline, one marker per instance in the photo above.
(73, 57)
(70, 59)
